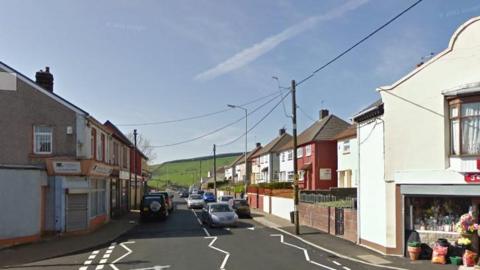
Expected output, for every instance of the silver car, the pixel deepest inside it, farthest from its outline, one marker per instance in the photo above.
(195, 201)
(219, 214)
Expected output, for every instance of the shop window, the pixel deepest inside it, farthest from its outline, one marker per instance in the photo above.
(42, 140)
(464, 127)
(97, 197)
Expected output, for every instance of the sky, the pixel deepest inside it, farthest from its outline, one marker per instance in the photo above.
(143, 61)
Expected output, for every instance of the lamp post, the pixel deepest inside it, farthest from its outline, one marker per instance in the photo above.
(246, 141)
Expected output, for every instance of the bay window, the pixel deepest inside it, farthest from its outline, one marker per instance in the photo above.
(464, 127)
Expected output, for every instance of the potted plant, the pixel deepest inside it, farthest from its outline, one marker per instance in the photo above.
(466, 226)
(414, 250)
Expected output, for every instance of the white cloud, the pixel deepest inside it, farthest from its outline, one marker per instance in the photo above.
(250, 54)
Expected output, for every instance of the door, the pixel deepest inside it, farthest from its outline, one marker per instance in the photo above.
(77, 212)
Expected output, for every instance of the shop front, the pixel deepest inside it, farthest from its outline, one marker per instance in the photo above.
(431, 212)
(79, 194)
(119, 193)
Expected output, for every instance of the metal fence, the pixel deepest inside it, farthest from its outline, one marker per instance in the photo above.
(329, 200)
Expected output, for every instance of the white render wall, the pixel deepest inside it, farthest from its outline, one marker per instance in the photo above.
(287, 165)
(416, 125)
(372, 188)
(282, 207)
(240, 171)
(229, 173)
(348, 161)
(265, 176)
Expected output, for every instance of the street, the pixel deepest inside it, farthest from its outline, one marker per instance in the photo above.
(181, 242)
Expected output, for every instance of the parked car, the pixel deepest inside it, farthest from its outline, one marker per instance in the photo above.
(153, 206)
(168, 199)
(201, 192)
(242, 208)
(219, 214)
(195, 201)
(184, 194)
(226, 199)
(209, 197)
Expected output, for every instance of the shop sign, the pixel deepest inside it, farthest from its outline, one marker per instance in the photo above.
(124, 175)
(472, 177)
(72, 167)
(325, 174)
(102, 170)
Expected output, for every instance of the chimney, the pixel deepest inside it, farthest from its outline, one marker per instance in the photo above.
(281, 131)
(323, 113)
(45, 79)
(258, 144)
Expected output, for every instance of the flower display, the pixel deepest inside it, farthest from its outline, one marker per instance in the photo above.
(464, 241)
(466, 225)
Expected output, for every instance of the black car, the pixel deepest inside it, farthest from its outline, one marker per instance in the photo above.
(153, 206)
(184, 194)
(241, 207)
(168, 199)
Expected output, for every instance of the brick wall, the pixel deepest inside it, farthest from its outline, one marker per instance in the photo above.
(323, 219)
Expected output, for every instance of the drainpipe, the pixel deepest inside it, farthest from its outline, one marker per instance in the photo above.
(358, 184)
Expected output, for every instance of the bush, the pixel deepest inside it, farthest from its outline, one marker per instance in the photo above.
(274, 185)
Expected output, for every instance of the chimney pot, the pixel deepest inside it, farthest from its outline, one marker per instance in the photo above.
(45, 79)
(258, 144)
(323, 113)
(281, 131)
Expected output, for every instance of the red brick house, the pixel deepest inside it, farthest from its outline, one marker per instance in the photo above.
(317, 152)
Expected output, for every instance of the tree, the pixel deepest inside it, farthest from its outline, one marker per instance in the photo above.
(144, 145)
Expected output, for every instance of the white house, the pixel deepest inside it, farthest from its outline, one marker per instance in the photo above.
(347, 158)
(243, 171)
(286, 165)
(266, 162)
(431, 173)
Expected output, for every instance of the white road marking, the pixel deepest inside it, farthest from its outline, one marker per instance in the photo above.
(108, 251)
(346, 268)
(206, 232)
(337, 263)
(83, 268)
(106, 256)
(91, 257)
(99, 267)
(88, 262)
(335, 253)
(156, 267)
(305, 252)
(103, 261)
(227, 254)
(227, 229)
(129, 251)
(251, 228)
(95, 252)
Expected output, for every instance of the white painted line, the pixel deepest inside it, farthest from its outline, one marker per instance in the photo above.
(305, 252)
(108, 251)
(227, 229)
(337, 263)
(156, 267)
(336, 253)
(83, 268)
(251, 228)
(91, 257)
(95, 252)
(106, 256)
(206, 232)
(129, 251)
(346, 268)
(227, 254)
(88, 262)
(103, 261)
(99, 267)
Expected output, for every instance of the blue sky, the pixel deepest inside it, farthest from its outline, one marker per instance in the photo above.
(145, 61)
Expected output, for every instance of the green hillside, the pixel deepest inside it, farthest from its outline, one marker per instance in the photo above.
(186, 172)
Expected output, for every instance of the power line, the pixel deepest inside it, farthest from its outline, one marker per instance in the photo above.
(359, 42)
(257, 123)
(197, 116)
(220, 128)
(306, 114)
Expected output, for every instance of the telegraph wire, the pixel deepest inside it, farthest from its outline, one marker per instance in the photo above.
(358, 43)
(220, 128)
(197, 116)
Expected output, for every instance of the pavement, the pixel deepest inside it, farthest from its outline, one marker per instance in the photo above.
(182, 242)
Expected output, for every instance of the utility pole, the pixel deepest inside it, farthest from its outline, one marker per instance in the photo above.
(215, 169)
(200, 171)
(295, 165)
(135, 166)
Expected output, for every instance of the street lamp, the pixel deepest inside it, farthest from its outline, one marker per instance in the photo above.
(246, 141)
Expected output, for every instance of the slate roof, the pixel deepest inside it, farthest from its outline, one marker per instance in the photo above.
(350, 132)
(324, 129)
(274, 145)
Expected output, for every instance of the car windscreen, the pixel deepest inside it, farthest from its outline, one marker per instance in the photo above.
(195, 197)
(208, 194)
(150, 199)
(220, 208)
(240, 203)
(226, 199)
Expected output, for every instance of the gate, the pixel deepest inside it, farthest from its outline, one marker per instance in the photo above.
(77, 212)
(339, 221)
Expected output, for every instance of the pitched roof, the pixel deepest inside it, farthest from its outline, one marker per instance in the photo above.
(249, 155)
(236, 160)
(373, 110)
(350, 132)
(274, 145)
(324, 129)
(117, 133)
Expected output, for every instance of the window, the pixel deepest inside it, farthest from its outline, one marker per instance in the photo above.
(299, 152)
(346, 147)
(290, 176)
(283, 157)
(97, 197)
(42, 140)
(465, 128)
(125, 157)
(115, 154)
(301, 175)
(101, 148)
(290, 155)
(308, 150)
(93, 143)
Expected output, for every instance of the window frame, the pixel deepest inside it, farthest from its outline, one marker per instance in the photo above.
(300, 152)
(308, 150)
(50, 134)
(458, 102)
(346, 143)
(93, 142)
(290, 155)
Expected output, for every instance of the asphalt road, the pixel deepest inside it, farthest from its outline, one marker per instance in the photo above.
(181, 242)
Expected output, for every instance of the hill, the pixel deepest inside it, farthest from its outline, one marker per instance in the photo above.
(187, 171)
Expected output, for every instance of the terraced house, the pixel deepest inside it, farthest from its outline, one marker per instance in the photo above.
(58, 164)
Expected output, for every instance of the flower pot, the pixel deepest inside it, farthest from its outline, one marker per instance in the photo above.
(414, 252)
